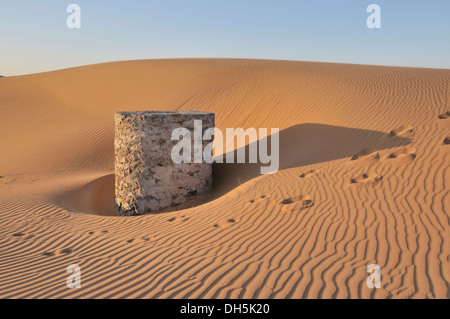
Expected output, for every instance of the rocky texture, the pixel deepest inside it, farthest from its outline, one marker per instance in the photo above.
(146, 178)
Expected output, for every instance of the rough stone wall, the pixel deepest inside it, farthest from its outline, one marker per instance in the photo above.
(146, 178)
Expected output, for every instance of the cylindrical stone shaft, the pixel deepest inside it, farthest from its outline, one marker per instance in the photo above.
(146, 177)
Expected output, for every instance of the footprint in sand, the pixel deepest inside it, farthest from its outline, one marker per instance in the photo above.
(226, 223)
(23, 235)
(258, 199)
(18, 234)
(140, 239)
(365, 178)
(401, 130)
(146, 238)
(306, 201)
(310, 173)
(407, 151)
(179, 219)
(97, 232)
(444, 116)
(447, 140)
(366, 153)
(58, 252)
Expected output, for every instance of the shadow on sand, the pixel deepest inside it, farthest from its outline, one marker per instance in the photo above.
(299, 145)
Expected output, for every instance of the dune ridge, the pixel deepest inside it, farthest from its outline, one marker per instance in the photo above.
(364, 179)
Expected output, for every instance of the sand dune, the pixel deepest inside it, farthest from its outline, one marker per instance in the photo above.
(364, 179)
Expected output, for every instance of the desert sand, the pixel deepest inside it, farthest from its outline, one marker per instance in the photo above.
(364, 179)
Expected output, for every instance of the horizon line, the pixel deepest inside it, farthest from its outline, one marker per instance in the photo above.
(221, 58)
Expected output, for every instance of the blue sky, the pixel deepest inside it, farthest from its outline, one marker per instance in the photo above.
(34, 36)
